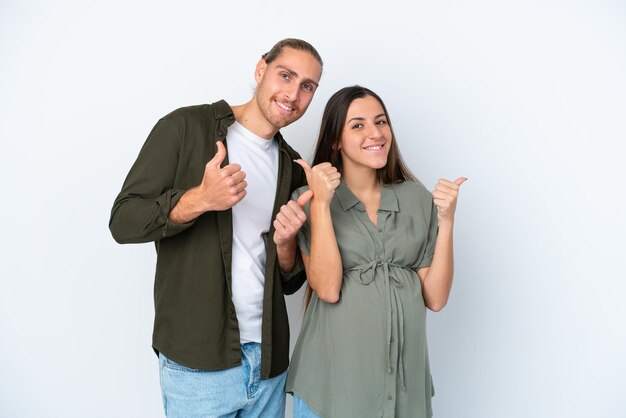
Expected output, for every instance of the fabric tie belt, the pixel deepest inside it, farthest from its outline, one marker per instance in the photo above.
(367, 274)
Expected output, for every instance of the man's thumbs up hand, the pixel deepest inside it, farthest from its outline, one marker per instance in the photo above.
(222, 188)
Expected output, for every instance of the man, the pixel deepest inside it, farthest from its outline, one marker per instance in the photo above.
(221, 329)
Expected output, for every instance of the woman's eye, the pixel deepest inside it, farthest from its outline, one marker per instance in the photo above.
(381, 122)
(357, 126)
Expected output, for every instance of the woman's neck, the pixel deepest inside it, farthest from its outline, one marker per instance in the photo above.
(365, 186)
(362, 182)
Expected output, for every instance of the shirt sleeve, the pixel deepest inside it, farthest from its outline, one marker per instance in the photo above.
(141, 211)
(433, 228)
(304, 235)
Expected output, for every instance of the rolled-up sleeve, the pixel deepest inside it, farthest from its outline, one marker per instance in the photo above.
(433, 228)
(141, 211)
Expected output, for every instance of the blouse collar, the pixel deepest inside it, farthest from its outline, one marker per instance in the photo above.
(347, 199)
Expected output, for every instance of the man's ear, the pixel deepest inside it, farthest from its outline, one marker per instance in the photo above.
(261, 66)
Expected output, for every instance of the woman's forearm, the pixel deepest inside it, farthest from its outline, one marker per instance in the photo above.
(437, 279)
(324, 268)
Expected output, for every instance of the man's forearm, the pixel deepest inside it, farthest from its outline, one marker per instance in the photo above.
(187, 209)
(286, 254)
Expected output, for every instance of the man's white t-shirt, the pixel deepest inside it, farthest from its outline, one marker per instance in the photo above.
(252, 218)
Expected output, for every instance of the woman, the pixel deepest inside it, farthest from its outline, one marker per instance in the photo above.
(377, 249)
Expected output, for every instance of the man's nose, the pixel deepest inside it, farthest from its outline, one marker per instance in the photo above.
(291, 93)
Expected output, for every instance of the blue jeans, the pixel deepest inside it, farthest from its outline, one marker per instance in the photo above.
(301, 409)
(230, 393)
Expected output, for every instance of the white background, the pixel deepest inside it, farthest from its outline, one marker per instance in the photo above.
(526, 98)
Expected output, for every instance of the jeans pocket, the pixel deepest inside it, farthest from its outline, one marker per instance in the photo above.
(171, 364)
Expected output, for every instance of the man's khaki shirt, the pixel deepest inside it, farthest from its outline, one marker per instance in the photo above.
(195, 320)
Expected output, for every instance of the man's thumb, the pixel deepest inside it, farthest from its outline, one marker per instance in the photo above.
(220, 154)
(305, 197)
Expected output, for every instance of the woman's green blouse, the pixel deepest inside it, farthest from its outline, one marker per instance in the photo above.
(366, 355)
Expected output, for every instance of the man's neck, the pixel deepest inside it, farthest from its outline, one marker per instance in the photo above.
(249, 115)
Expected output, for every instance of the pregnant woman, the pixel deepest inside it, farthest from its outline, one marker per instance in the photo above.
(377, 248)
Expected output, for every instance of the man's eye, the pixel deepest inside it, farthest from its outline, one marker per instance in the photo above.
(307, 87)
(284, 75)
